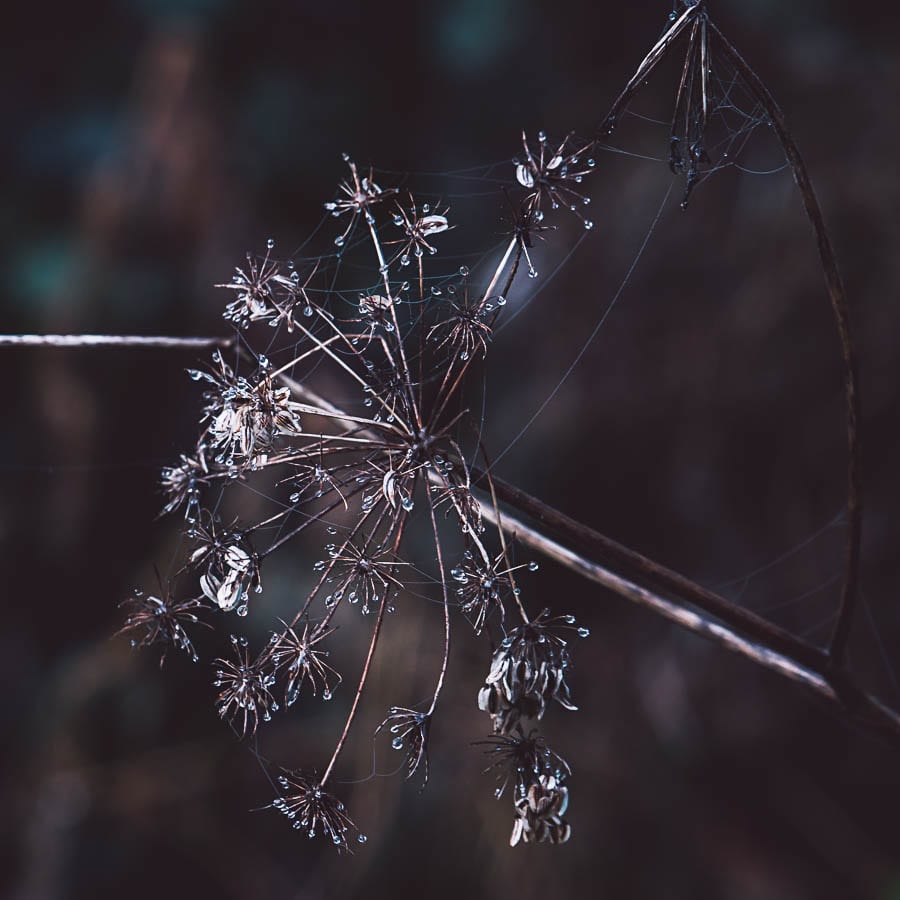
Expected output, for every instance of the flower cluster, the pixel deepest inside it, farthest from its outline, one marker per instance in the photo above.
(528, 670)
(371, 474)
(312, 809)
(538, 776)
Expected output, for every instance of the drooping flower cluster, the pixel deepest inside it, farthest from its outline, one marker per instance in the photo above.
(528, 670)
(538, 777)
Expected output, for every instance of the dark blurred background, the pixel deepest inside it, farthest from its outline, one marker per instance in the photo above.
(150, 143)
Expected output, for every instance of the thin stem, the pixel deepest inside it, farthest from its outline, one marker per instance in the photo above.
(359, 690)
(440, 562)
(63, 341)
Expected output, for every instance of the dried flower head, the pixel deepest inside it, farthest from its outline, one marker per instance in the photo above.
(410, 729)
(231, 565)
(162, 619)
(181, 484)
(518, 759)
(313, 810)
(552, 177)
(297, 654)
(465, 331)
(245, 415)
(540, 811)
(244, 695)
(484, 585)
(528, 670)
(356, 196)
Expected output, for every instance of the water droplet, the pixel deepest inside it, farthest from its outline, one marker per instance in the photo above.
(533, 566)
(588, 224)
(584, 632)
(501, 300)
(361, 838)
(397, 743)
(464, 271)
(270, 243)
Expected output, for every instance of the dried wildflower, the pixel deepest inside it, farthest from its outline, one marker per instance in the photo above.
(394, 439)
(538, 776)
(362, 575)
(374, 313)
(245, 415)
(458, 497)
(317, 479)
(520, 759)
(313, 810)
(356, 196)
(418, 225)
(244, 695)
(528, 670)
(483, 586)
(527, 224)
(181, 484)
(551, 176)
(162, 620)
(232, 566)
(386, 382)
(303, 661)
(540, 811)
(465, 330)
(410, 729)
(291, 295)
(254, 288)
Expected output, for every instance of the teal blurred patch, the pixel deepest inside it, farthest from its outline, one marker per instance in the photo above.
(475, 35)
(39, 278)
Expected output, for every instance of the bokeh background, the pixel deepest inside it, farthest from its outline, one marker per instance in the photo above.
(150, 143)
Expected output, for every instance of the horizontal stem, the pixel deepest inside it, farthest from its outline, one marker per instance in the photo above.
(111, 340)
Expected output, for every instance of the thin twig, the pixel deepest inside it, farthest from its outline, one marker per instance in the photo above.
(111, 340)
